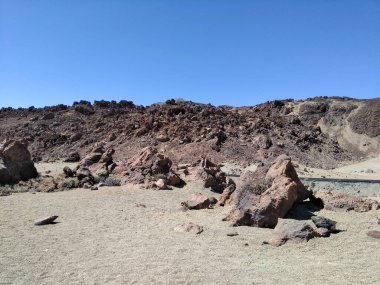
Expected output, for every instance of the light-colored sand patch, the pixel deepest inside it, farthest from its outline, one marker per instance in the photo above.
(369, 169)
(103, 238)
(53, 169)
(364, 168)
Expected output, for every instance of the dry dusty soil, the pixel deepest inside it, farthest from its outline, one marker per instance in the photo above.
(102, 237)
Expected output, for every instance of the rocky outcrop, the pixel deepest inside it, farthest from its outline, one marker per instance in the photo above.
(187, 130)
(99, 157)
(345, 202)
(212, 176)
(15, 162)
(149, 167)
(255, 206)
(291, 231)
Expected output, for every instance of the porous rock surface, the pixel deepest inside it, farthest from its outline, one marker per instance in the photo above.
(15, 162)
(270, 199)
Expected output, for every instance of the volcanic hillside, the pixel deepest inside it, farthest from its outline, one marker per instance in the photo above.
(319, 132)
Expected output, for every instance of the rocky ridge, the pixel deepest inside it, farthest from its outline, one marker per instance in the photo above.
(185, 130)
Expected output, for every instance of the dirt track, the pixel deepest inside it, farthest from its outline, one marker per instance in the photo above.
(102, 237)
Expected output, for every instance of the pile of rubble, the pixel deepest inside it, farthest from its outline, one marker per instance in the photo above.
(151, 168)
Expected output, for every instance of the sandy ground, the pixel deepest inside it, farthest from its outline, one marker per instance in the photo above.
(369, 169)
(103, 238)
(53, 169)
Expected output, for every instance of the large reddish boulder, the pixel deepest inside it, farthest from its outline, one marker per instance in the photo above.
(15, 162)
(283, 166)
(269, 198)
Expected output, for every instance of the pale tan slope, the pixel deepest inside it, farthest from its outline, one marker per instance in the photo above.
(347, 138)
(368, 169)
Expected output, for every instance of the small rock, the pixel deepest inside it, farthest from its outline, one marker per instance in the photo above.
(112, 137)
(199, 201)
(189, 228)
(162, 138)
(72, 157)
(232, 234)
(174, 179)
(68, 172)
(322, 222)
(94, 188)
(288, 230)
(323, 232)
(87, 186)
(374, 234)
(33, 190)
(45, 221)
(161, 184)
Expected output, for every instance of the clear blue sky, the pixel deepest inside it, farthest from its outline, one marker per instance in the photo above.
(223, 52)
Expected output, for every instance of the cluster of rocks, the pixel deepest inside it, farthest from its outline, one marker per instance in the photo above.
(265, 198)
(213, 177)
(151, 168)
(15, 162)
(94, 169)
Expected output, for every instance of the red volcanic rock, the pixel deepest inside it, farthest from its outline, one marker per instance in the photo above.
(199, 201)
(225, 198)
(148, 165)
(255, 206)
(212, 176)
(283, 166)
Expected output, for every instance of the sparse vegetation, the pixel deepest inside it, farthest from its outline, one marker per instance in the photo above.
(112, 181)
(69, 183)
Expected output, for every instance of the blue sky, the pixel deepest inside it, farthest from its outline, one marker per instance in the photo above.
(211, 51)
